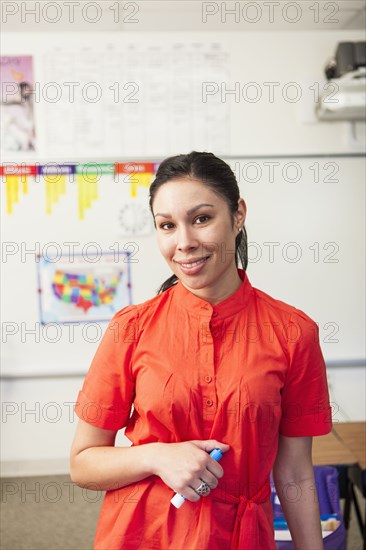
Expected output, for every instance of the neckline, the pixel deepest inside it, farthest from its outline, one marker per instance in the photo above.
(229, 306)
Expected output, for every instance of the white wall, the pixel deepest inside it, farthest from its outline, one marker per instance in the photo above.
(40, 443)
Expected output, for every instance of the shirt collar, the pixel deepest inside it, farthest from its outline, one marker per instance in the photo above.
(234, 303)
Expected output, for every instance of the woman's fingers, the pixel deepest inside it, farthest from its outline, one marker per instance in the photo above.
(183, 466)
(210, 479)
(190, 494)
(215, 469)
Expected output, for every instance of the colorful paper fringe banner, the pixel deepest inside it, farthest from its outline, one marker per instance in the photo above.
(54, 176)
(139, 174)
(136, 174)
(16, 179)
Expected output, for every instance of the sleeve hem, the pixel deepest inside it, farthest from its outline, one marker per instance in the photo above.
(308, 425)
(109, 418)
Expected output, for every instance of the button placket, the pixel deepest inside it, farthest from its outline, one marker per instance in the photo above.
(216, 328)
(207, 362)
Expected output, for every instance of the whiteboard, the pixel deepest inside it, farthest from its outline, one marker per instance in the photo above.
(306, 226)
(306, 233)
(194, 90)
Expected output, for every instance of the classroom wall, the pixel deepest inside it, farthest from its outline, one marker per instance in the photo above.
(38, 424)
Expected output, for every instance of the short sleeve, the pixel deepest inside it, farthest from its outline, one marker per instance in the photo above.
(306, 409)
(107, 394)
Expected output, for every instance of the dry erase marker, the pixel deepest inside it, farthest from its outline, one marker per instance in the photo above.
(178, 499)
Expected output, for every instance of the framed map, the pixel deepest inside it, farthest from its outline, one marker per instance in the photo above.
(76, 289)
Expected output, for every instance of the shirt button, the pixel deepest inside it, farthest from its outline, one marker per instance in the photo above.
(209, 403)
(208, 379)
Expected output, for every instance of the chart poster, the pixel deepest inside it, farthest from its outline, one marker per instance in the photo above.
(74, 289)
(17, 127)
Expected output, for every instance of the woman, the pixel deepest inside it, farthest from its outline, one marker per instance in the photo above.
(209, 362)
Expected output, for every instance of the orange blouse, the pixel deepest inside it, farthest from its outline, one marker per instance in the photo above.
(241, 372)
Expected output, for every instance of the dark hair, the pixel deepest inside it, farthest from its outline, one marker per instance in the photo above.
(214, 173)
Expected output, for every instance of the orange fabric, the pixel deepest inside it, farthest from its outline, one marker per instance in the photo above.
(249, 516)
(241, 372)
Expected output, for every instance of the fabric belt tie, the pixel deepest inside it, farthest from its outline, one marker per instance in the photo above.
(248, 517)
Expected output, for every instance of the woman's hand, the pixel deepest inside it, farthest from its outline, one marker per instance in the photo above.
(183, 466)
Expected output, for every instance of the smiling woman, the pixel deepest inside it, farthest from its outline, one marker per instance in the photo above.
(205, 223)
(198, 243)
(209, 362)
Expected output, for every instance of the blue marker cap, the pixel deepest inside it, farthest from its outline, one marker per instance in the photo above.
(216, 454)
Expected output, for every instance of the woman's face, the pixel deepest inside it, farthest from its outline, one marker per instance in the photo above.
(194, 224)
